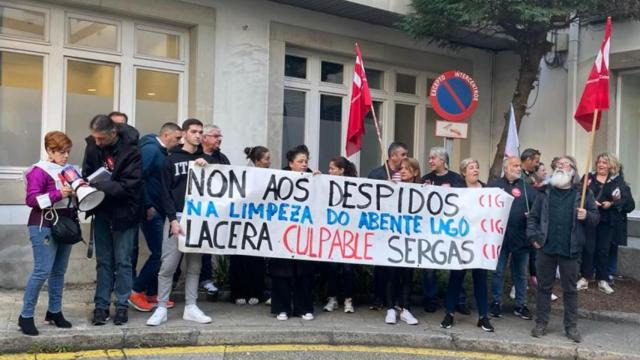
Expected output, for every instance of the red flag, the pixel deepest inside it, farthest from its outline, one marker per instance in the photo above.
(596, 91)
(360, 106)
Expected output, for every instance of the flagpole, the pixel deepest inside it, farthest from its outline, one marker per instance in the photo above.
(589, 158)
(375, 123)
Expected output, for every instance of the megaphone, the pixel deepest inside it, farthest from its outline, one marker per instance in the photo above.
(88, 197)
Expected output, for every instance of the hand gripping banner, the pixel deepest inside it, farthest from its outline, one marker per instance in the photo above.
(236, 210)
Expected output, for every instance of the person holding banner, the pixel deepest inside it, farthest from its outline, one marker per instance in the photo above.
(515, 244)
(396, 152)
(556, 226)
(48, 198)
(470, 170)
(291, 279)
(174, 185)
(340, 166)
(440, 175)
(400, 279)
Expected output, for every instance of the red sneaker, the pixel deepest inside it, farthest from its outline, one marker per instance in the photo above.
(153, 300)
(139, 302)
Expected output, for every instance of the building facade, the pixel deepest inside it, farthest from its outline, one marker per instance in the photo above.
(273, 73)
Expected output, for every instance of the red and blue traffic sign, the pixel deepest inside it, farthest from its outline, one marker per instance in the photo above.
(454, 95)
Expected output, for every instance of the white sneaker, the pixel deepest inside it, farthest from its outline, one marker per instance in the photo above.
(332, 304)
(193, 313)
(282, 316)
(391, 317)
(241, 301)
(554, 297)
(348, 306)
(209, 287)
(604, 287)
(158, 317)
(512, 294)
(408, 317)
(583, 284)
(254, 301)
(307, 316)
(268, 302)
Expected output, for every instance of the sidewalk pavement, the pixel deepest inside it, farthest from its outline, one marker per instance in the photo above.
(245, 324)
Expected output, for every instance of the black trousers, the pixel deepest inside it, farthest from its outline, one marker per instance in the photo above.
(398, 287)
(380, 285)
(286, 289)
(246, 275)
(587, 260)
(604, 238)
(339, 274)
(546, 265)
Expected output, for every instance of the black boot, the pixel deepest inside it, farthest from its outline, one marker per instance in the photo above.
(27, 326)
(57, 319)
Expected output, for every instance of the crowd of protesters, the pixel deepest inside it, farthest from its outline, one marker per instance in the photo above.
(551, 232)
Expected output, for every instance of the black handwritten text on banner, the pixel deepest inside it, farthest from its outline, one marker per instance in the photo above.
(283, 214)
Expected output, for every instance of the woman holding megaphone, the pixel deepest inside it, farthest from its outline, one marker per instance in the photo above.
(49, 199)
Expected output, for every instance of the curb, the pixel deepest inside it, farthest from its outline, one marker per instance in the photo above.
(185, 336)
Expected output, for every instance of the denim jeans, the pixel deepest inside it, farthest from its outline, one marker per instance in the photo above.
(612, 269)
(50, 261)
(430, 288)
(456, 282)
(147, 279)
(519, 265)
(113, 262)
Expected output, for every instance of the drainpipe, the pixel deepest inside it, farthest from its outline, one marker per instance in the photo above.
(572, 84)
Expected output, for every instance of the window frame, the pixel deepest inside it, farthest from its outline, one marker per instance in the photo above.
(163, 30)
(182, 93)
(47, 23)
(97, 19)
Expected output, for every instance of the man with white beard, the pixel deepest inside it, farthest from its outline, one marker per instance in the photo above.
(557, 227)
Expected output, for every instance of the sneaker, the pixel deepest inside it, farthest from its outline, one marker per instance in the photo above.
(254, 301)
(554, 297)
(583, 284)
(153, 300)
(447, 322)
(573, 334)
(512, 293)
(122, 317)
(307, 316)
(463, 309)
(523, 312)
(604, 287)
(268, 302)
(282, 316)
(408, 317)
(376, 307)
(241, 301)
(539, 330)
(100, 317)
(159, 317)
(28, 326)
(391, 317)
(348, 306)
(485, 324)
(431, 307)
(139, 301)
(496, 310)
(332, 304)
(193, 313)
(209, 287)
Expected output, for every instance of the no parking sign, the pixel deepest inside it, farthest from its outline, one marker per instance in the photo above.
(454, 95)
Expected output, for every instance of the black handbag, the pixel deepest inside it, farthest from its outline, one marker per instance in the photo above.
(66, 229)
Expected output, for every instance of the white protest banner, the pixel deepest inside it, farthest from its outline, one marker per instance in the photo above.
(237, 210)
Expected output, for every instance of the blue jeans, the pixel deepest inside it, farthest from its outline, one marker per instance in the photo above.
(456, 282)
(147, 279)
(113, 262)
(612, 269)
(519, 264)
(50, 261)
(430, 288)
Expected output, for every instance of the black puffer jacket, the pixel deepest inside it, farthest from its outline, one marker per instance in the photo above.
(515, 238)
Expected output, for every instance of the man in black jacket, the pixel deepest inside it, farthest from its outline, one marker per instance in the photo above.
(117, 218)
(557, 227)
(515, 241)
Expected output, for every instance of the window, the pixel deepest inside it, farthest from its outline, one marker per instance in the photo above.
(90, 91)
(21, 77)
(330, 129)
(375, 78)
(22, 23)
(157, 44)
(332, 72)
(92, 34)
(293, 124)
(295, 66)
(629, 129)
(405, 125)
(157, 95)
(431, 139)
(370, 153)
(405, 84)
